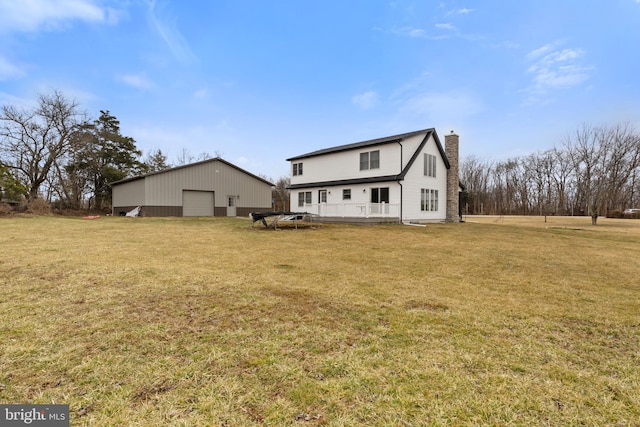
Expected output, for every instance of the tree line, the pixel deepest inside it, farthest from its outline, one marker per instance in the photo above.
(55, 153)
(594, 171)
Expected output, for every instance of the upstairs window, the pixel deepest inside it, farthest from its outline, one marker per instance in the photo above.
(430, 165)
(346, 194)
(297, 169)
(370, 160)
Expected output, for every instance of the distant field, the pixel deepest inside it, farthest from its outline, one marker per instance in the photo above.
(198, 322)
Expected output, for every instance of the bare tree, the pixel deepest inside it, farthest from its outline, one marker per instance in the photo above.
(561, 175)
(185, 157)
(603, 158)
(281, 193)
(474, 174)
(595, 172)
(34, 142)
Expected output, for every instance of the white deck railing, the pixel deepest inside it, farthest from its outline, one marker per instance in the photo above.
(362, 210)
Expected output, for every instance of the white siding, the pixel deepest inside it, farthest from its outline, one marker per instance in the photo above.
(346, 164)
(358, 206)
(416, 180)
(393, 160)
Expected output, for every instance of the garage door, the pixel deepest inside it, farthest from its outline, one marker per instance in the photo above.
(197, 203)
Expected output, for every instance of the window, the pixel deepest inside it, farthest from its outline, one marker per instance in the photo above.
(370, 160)
(380, 195)
(304, 197)
(428, 200)
(429, 165)
(297, 169)
(346, 194)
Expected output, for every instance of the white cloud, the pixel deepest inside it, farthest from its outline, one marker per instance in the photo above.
(366, 100)
(138, 81)
(34, 15)
(416, 33)
(446, 27)
(9, 70)
(9, 99)
(409, 32)
(168, 31)
(202, 93)
(536, 53)
(416, 106)
(453, 106)
(462, 11)
(556, 69)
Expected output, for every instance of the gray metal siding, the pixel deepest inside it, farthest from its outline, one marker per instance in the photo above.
(162, 192)
(129, 194)
(165, 189)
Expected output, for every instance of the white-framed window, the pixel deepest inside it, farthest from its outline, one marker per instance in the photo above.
(428, 200)
(297, 169)
(304, 197)
(370, 160)
(430, 165)
(346, 194)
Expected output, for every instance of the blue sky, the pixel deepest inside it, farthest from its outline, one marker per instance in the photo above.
(260, 81)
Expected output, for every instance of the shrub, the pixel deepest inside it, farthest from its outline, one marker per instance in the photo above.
(5, 209)
(39, 207)
(615, 214)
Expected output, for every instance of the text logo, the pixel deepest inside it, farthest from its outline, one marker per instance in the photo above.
(34, 415)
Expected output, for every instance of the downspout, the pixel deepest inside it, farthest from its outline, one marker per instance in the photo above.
(400, 182)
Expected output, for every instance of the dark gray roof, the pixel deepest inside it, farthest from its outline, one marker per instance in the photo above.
(215, 159)
(369, 143)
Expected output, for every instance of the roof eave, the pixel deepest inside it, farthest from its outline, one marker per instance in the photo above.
(358, 145)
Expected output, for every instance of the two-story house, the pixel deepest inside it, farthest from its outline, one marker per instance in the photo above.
(400, 178)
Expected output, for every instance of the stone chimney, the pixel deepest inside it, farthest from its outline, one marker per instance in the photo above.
(453, 177)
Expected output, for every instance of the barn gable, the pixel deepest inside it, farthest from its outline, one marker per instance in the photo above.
(212, 187)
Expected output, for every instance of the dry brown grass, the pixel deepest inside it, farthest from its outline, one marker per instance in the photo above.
(212, 322)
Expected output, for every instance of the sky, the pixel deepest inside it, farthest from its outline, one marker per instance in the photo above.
(257, 82)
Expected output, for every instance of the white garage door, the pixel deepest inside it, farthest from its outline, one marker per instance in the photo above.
(197, 203)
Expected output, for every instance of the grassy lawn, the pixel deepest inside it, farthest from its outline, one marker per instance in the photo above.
(496, 321)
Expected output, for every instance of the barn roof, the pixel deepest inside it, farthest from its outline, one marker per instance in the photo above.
(215, 159)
